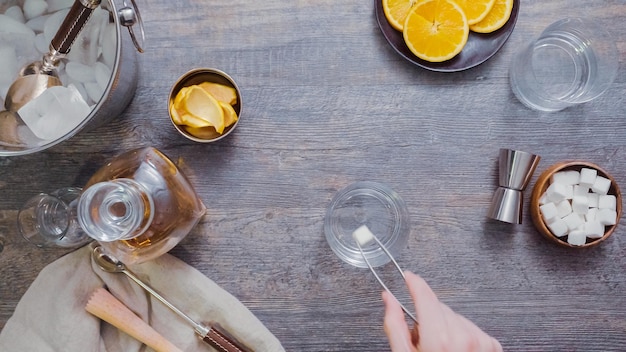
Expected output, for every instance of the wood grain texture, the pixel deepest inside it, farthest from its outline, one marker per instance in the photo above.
(327, 102)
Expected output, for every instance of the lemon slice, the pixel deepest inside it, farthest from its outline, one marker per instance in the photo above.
(436, 30)
(198, 103)
(220, 92)
(230, 115)
(194, 121)
(175, 116)
(496, 18)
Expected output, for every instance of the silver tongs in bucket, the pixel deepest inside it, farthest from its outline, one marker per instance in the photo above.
(38, 76)
(363, 235)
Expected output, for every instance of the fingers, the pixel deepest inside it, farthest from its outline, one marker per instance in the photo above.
(395, 325)
(440, 328)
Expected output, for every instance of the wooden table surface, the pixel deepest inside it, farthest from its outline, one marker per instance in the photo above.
(328, 102)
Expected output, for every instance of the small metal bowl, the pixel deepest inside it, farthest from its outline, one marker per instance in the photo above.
(542, 184)
(197, 76)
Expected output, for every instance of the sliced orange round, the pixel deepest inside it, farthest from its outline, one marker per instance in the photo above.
(436, 30)
(396, 11)
(496, 18)
(475, 10)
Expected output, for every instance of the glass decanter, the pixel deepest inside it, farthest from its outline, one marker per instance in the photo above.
(138, 206)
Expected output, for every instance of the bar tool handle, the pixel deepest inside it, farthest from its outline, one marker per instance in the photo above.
(73, 23)
(221, 341)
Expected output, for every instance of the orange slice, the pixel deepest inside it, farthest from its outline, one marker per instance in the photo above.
(496, 18)
(198, 103)
(475, 10)
(396, 11)
(436, 30)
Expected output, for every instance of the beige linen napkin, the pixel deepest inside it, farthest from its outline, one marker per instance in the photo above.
(51, 315)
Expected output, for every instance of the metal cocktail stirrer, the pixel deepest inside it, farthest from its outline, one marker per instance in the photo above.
(211, 334)
(363, 235)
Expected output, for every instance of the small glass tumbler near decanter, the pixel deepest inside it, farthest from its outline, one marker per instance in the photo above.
(138, 206)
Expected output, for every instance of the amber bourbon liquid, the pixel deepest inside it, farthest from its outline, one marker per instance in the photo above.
(177, 208)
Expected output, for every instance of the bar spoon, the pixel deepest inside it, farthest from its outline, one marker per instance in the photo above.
(211, 334)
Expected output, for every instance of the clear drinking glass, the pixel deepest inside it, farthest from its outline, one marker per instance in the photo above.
(372, 204)
(573, 61)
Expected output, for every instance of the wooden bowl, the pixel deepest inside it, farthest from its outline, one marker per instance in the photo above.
(542, 184)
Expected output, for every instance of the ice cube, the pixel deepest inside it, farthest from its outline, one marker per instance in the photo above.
(37, 24)
(56, 5)
(53, 23)
(108, 41)
(42, 45)
(11, 25)
(94, 91)
(54, 113)
(16, 13)
(86, 49)
(8, 65)
(80, 72)
(34, 8)
(103, 75)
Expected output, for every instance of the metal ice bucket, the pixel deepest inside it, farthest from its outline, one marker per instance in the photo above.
(15, 136)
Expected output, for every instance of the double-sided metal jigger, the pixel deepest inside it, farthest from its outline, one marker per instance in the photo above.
(515, 170)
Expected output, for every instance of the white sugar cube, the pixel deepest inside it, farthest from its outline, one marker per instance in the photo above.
(591, 215)
(543, 199)
(606, 217)
(573, 221)
(363, 235)
(564, 208)
(593, 200)
(571, 177)
(601, 185)
(588, 177)
(558, 227)
(580, 205)
(556, 192)
(580, 190)
(593, 229)
(577, 237)
(549, 212)
(607, 201)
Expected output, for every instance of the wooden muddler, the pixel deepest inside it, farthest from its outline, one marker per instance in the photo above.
(108, 308)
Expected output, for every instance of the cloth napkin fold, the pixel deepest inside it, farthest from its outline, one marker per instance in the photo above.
(51, 315)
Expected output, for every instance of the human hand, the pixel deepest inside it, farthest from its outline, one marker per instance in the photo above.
(439, 329)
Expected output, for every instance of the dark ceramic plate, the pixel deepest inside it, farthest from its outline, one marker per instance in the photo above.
(478, 49)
